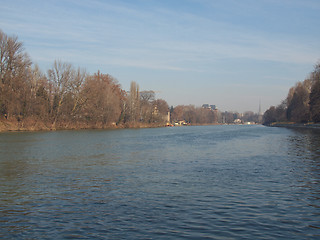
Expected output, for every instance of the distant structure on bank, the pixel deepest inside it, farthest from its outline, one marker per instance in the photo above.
(210, 114)
(211, 107)
(260, 114)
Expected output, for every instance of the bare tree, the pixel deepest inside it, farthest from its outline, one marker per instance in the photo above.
(146, 105)
(315, 94)
(14, 71)
(60, 76)
(298, 107)
(103, 99)
(76, 88)
(147, 96)
(39, 102)
(160, 111)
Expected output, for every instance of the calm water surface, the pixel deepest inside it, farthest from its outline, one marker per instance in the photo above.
(213, 182)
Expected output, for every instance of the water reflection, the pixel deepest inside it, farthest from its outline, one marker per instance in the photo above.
(305, 142)
(304, 148)
(15, 169)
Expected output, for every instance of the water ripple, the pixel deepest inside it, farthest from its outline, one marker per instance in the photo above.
(215, 182)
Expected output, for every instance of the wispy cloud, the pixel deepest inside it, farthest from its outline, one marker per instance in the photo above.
(199, 39)
(114, 27)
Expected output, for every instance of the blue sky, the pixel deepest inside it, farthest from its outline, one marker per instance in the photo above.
(224, 52)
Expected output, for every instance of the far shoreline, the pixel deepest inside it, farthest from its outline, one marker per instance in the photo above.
(295, 125)
(15, 126)
(7, 126)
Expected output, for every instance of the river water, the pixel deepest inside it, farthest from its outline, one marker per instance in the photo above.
(204, 182)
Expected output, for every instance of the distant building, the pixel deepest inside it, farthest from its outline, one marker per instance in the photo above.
(237, 121)
(260, 114)
(211, 107)
(180, 123)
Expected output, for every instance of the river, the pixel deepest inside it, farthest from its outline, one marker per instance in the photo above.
(201, 182)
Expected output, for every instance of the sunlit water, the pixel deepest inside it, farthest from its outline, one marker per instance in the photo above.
(213, 182)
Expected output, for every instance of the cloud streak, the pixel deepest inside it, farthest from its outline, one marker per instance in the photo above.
(191, 37)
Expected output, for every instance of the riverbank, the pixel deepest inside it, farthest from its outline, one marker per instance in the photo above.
(295, 125)
(34, 125)
(30, 124)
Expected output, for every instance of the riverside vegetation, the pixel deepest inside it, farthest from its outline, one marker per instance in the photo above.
(302, 104)
(66, 97)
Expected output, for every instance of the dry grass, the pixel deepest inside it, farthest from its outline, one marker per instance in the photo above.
(33, 124)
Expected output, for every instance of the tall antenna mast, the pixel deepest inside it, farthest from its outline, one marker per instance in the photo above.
(260, 113)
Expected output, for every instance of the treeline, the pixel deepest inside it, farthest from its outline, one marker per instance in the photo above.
(202, 115)
(68, 97)
(302, 104)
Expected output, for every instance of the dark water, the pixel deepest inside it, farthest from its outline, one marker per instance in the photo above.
(215, 182)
